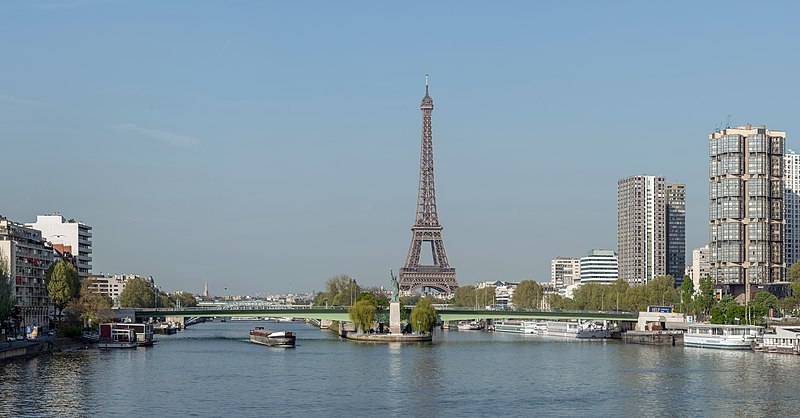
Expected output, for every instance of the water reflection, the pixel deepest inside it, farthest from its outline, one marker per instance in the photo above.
(50, 384)
(211, 370)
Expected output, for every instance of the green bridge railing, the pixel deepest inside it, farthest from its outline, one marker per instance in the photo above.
(339, 313)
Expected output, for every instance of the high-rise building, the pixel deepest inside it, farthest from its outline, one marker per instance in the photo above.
(26, 259)
(641, 228)
(676, 231)
(68, 233)
(651, 229)
(791, 200)
(599, 266)
(700, 265)
(564, 271)
(746, 207)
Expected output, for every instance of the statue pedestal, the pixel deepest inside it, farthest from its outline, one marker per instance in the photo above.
(394, 317)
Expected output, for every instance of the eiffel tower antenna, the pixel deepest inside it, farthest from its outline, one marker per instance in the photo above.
(440, 275)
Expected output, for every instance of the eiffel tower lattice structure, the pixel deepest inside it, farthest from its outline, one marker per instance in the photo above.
(440, 275)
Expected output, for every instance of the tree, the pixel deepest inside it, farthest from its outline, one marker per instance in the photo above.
(186, 299)
(138, 293)
(62, 284)
(374, 298)
(339, 290)
(687, 294)
(761, 304)
(7, 300)
(558, 302)
(796, 288)
(423, 316)
(465, 296)
(527, 295)
(362, 314)
(90, 305)
(726, 311)
(704, 300)
(793, 272)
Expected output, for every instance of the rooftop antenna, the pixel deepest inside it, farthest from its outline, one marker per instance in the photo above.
(426, 84)
(728, 122)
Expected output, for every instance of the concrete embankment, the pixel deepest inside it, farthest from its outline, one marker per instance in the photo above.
(653, 337)
(30, 348)
(389, 338)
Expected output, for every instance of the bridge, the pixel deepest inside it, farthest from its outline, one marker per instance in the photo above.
(339, 313)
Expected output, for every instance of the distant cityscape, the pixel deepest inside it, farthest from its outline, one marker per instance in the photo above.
(754, 234)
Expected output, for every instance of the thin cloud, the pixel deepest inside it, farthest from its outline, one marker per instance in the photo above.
(20, 101)
(65, 4)
(169, 138)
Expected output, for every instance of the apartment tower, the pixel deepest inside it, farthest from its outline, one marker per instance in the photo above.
(791, 213)
(746, 207)
(676, 231)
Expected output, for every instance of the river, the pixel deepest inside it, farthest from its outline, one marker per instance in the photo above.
(211, 370)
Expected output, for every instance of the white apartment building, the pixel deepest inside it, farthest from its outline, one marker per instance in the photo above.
(565, 271)
(791, 207)
(26, 260)
(599, 266)
(113, 285)
(701, 266)
(77, 236)
(503, 291)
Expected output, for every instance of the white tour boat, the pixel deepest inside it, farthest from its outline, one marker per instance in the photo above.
(731, 337)
(517, 327)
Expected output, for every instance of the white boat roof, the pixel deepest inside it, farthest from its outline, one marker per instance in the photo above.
(729, 326)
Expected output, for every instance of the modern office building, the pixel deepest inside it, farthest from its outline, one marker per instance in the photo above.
(746, 207)
(599, 266)
(676, 231)
(791, 200)
(68, 233)
(700, 265)
(25, 258)
(564, 271)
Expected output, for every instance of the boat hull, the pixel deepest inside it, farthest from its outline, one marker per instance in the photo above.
(285, 342)
(719, 343)
(113, 344)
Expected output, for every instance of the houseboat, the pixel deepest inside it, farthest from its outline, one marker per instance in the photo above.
(113, 336)
(518, 327)
(470, 326)
(730, 337)
(785, 339)
(263, 336)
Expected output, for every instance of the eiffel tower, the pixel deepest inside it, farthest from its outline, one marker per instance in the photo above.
(440, 275)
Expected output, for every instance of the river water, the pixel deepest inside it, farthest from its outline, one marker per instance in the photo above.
(211, 370)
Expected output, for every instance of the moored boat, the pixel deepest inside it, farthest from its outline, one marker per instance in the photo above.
(113, 336)
(517, 327)
(730, 337)
(470, 326)
(785, 339)
(263, 336)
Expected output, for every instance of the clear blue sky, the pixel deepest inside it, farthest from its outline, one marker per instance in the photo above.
(267, 146)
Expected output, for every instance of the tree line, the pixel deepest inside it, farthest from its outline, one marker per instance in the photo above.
(78, 300)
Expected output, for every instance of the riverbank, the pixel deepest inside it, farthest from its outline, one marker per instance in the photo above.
(29, 348)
